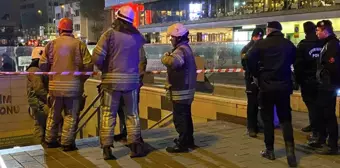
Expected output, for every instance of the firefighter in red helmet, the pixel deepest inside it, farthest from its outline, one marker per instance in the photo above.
(66, 53)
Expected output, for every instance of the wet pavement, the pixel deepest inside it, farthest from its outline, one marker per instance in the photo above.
(221, 144)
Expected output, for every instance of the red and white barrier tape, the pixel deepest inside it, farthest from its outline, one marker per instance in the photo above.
(228, 70)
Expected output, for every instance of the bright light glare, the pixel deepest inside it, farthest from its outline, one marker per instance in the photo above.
(236, 4)
(194, 11)
(338, 91)
(243, 3)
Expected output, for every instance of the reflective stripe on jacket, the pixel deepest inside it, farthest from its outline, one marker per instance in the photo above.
(117, 55)
(66, 54)
(181, 67)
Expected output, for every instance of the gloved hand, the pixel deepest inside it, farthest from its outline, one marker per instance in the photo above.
(166, 54)
(163, 60)
(99, 88)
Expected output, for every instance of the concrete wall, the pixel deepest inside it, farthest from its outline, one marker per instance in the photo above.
(154, 106)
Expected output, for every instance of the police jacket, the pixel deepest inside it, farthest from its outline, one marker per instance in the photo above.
(244, 51)
(307, 55)
(270, 61)
(181, 69)
(328, 72)
(117, 55)
(66, 54)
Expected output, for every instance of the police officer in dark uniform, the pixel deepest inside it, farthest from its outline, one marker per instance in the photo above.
(251, 87)
(328, 74)
(307, 54)
(270, 61)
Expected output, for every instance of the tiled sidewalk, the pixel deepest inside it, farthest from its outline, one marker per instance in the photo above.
(222, 144)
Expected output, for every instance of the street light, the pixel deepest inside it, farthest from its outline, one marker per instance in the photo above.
(39, 12)
(236, 5)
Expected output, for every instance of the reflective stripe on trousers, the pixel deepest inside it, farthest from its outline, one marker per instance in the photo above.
(109, 106)
(70, 106)
(181, 95)
(120, 78)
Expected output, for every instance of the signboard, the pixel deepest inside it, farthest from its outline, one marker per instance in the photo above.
(15, 123)
(24, 61)
(296, 30)
(109, 3)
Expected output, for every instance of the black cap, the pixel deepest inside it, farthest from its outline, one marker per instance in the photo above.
(274, 25)
(324, 23)
(257, 31)
(309, 27)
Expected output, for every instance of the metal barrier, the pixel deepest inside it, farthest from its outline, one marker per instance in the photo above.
(97, 111)
(87, 110)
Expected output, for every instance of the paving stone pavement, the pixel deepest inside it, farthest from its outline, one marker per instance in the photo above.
(221, 144)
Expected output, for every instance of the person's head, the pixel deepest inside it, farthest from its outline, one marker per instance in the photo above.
(65, 26)
(257, 34)
(273, 26)
(309, 27)
(126, 13)
(38, 52)
(177, 33)
(324, 28)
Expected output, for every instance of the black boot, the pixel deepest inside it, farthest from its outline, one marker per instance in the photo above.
(190, 144)
(252, 133)
(307, 129)
(269, 154)
(120, 138)
(327, 150)
(107, 153)
(51, 145)
(315, 141)
(290, 152)
(67, 148)
(137, 150)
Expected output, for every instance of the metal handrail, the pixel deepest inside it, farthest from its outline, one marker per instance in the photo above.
(161, 120)
(88, 119)
(87, 110)
(91, 105)
(98, 112)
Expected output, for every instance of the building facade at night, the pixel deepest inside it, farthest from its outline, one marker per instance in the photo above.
(227, 20)
(37, 17)
(81, 25)
(9, 22)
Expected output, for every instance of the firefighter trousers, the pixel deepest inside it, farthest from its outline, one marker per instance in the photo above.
(109, 106)
(40, 113)
(122, 119)
(70, 106)
(121, 114)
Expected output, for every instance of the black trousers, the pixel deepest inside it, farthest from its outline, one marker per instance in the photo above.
(252, 106)
(281, 99)
(327, 120)
(183, 123)
(309, 93)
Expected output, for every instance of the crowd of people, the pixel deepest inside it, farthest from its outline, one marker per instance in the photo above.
(270, 82)
(120, 56)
